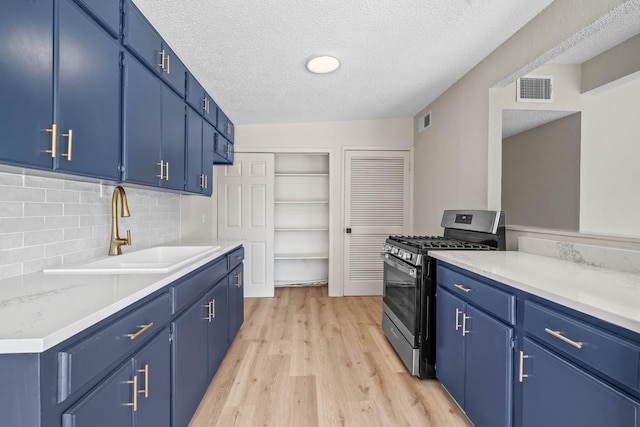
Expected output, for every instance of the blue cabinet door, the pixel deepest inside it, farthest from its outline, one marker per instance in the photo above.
(152, 364)
(26, 85)
(557, 393)
(208, 135)
(107, 12)
(142, 119)
(193, 173)
(189, 364)
(223, 152)
(450, 344)
(173, 139)
(174, 72)
(200, 100)
(141, 38)
(488, 369)
(107, 404)
(89, 96)
(218, 327)
(225, 126)
(236, 302)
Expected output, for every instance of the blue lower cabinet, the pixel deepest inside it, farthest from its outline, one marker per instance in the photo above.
(190, 360)
(218, 334)
(107, 405)
(152, 366)
(137, 394)
(556, 392)
(474, 360)
(450, 345)
(236, 302)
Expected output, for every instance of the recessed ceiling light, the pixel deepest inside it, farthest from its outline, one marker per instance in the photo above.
(322, 64)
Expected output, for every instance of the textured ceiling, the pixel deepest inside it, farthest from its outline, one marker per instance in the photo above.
(396, 56)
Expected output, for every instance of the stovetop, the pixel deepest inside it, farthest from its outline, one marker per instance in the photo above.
(424, 243)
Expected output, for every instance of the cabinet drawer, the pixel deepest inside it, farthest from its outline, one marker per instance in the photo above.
(186, 291)
(84, 360)
(235, 258)
(497, 302)
(597, 348)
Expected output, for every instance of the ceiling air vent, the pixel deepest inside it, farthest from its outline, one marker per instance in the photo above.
(424, 122)
(534, 89)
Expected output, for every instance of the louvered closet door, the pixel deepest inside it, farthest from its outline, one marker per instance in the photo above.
(376, 206)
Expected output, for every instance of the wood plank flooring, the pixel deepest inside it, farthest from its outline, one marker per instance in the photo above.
(304, 359)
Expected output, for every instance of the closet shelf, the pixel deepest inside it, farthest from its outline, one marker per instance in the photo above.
(301, 202)
(301, 256)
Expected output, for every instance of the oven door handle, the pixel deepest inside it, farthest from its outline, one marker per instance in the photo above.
(399, 265)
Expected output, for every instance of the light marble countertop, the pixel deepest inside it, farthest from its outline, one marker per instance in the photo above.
(38, 311)
(610, 295)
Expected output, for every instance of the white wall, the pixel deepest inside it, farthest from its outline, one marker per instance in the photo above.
(610, 155)
(49, 221)
(458, 156)
(333, 138)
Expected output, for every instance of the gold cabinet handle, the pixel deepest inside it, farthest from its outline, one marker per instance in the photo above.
(462, 288)
(162, 59)
(557, 334)
(458, 311)
(69, 135)
(521, 374)
(143, 329)
(54, 137)
(145, 371)
(134, 381)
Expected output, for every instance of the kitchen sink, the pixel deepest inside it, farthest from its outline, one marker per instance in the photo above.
(159, 259)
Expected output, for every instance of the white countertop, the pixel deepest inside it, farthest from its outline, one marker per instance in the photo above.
(38, 311)
(609, 295)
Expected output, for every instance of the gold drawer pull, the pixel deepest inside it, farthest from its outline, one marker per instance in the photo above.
(557, 334)
(143, 328)
(145, 371)
(135, 393)
(463, 288)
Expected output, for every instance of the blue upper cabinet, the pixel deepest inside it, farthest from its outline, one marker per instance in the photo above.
(199, 154)
(154, 129)
(88, 126)
(200, 100)
(26, 67)
(142, 129)
(143, 40)
(225, 126)
(83, 60)
(223, 150)
(106, 12)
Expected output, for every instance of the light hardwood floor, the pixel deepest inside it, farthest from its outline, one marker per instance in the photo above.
(304, 359)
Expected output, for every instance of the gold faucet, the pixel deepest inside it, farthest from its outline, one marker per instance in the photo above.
(116, 241)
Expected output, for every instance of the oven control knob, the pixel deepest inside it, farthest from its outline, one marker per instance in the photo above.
(406, 256)
(395, 251)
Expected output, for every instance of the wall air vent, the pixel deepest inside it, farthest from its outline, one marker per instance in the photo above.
(424, 122)
(534, 89)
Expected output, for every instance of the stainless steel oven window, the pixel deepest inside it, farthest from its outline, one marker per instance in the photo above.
(401, 291)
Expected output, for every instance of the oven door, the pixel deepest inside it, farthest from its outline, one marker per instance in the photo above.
(401, 296)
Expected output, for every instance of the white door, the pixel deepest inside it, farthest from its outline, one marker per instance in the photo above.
(245, 212)
(376, 205)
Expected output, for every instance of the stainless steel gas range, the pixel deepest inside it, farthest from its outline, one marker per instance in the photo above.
(408, 304)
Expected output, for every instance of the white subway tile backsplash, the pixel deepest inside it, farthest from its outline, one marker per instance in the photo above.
(46, 222)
